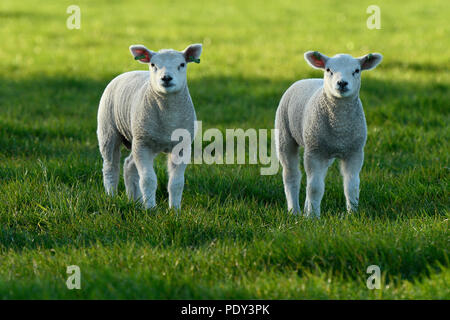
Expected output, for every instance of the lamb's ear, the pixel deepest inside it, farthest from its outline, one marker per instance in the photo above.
(141, 53)
(316, 59)
(370, 61)
(193, 52)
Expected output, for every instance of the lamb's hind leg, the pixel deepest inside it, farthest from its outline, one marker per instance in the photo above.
(288, 155)
(110, 151)
(131, 178)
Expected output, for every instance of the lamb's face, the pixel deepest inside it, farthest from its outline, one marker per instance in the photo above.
(167, 67)
(168, 71)
(342, 73)
(342, 76)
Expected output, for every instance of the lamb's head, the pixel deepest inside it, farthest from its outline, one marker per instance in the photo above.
(342, 76)
(167, 66)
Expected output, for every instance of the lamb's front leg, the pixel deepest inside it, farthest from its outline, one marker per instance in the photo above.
(176, 180)
(350, 168)
(316, 168)
(143, 157)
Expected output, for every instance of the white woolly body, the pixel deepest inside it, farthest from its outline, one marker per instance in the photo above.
(129, 107)
(141, 109)
(326, 119)
(318, 123)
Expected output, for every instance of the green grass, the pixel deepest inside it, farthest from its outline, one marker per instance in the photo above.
(233, 238)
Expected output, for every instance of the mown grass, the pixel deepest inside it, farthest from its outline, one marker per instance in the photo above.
(233, 238)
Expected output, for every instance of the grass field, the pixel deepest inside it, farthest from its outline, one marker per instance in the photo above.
(233, 238)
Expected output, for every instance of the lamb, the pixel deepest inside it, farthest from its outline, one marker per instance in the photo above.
(326, 118)
(141, 110)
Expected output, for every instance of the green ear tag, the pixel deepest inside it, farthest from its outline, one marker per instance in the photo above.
(317, 55)
(369, 57)
(191, 59)
(143, 56)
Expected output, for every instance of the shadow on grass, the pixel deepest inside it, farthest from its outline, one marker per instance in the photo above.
(45, 109)
(54, 119)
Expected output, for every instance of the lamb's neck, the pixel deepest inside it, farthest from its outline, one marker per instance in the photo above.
(168, 101)
(341, 106)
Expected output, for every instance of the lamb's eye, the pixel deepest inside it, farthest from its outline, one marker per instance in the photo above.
(357, 71)
(153, 65)
(182, 65)
(328, 69)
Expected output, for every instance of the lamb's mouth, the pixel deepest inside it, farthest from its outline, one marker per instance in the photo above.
(167, 85)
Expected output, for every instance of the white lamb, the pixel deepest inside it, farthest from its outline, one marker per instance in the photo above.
(326, 118)
(141, 109)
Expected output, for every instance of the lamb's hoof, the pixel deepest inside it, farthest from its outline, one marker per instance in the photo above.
(177, 208)
(311, 215)
(110, 193)
(294, 212)
(149, 206)
(352, 210)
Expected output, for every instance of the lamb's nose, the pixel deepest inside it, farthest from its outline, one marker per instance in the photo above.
(166, 78)
(342, 83)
